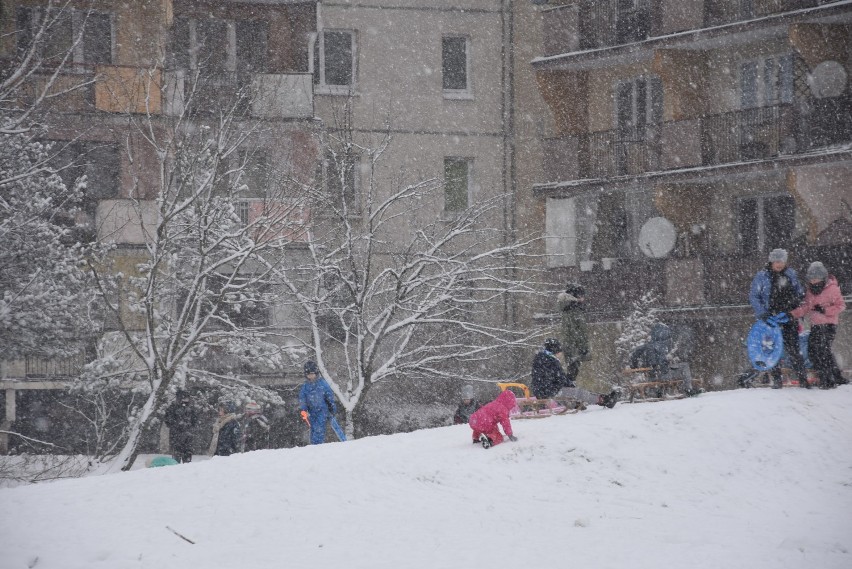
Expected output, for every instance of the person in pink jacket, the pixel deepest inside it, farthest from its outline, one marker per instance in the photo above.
(486, 420)
(822, 304)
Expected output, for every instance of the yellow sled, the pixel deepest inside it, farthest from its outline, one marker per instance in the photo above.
(529, 407)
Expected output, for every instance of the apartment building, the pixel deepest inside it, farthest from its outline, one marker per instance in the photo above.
(690, 139)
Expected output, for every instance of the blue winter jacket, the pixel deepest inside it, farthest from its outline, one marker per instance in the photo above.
(761, 287)
(317, 398)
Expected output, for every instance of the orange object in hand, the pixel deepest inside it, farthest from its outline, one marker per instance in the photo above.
(305, 417)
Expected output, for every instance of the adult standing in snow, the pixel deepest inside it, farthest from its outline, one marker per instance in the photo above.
(226, 431)
(573, 330)
(467, 407)
(181, 417)
(548, 379)
(775, 290)
(255, 428)
(822, 305)
(316, 402)
(486, 422)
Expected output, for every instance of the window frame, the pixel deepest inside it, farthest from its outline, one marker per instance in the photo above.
(760, 229)
(78, 62)
(781, 90)
(467, 92)
(469, 181)
(317, 63)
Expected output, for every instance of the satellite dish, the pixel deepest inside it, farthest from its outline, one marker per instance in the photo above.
(657, 237)
(828, 79)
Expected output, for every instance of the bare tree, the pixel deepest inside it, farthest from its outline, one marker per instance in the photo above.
(194, 298)
(386, 294)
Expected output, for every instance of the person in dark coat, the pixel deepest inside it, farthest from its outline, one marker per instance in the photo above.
(316, 402)
(775, 290)
(660, 354)
(181, 417)
(548, 379)
(467, 406)
(573, 330)
(227, 433)
(255, 428)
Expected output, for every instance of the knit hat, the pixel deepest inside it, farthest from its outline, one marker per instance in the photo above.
(252, 408)
(817, 271)
(311, 367)
(778, 255)
(467, 392)
(552, 345)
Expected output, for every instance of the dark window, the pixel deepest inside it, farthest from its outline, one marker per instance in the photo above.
(180, 46)
(341, 170)
(748, 85)
(456, 182)
(212, 45)
(254, 173)
(243, 209)
(766, 222)
(97, 38)
(252, 45)
(454, 63)
(334, 58)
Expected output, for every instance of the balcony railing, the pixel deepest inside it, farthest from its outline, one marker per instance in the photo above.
(718, 12)
(614, 22)
(620, 152)
(54, 368)
(749, 134)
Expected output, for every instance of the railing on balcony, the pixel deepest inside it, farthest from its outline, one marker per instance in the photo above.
(750, 134)
(614, 22)
(620, 152)
(54, 368)
(718, 12)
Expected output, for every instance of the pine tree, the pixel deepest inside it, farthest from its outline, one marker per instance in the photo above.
(637, 327)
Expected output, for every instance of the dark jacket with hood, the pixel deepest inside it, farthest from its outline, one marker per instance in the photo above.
(654, 354)
(547, 375)
(573, 331)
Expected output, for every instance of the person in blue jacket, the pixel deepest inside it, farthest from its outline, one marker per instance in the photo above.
(316, 402)
(776, 290)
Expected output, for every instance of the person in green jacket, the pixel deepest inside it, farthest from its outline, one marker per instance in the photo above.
(573, 331)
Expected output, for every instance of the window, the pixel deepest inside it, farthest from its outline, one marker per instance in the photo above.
(62, 28)
(638, 103)
(219, 46)
(341, 171)
(334, 61)
(766, 82)
(632, 20)
(766, 222)
(455, 65)
(243, 209)
(254, 174)
(457, 173)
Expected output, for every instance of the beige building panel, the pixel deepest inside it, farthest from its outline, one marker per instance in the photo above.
(410, 89)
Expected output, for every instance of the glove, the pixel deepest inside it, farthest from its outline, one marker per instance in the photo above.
(304, 415)
(819, 308)
(513, 438)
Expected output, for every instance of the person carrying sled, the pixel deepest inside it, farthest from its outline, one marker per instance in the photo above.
(776, 290)
(226, 431)
(467, 406)
(181, 417)
(660, 354)
(822, 305)
(548, 379)
(486, 421)
(573, 330)
(316, 402)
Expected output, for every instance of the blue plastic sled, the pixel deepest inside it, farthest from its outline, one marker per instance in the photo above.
(765, 343)
(335, 426)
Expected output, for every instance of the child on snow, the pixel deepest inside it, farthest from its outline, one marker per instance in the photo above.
(486, 420)
(822, 304)
(467, 406)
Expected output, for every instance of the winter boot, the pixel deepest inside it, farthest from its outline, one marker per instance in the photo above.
(825, 380)
(838, 378)
(485, 441)
(803, 383)
(776, 382)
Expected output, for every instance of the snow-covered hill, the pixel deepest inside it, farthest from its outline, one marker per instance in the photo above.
(743, 479)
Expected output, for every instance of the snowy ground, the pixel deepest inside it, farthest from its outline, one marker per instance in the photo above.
(742, 479)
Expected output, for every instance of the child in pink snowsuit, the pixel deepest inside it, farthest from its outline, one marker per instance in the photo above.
(485, 421)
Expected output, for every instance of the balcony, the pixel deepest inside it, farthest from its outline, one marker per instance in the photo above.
(717, 12)
(729, 138)
(261, 95)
